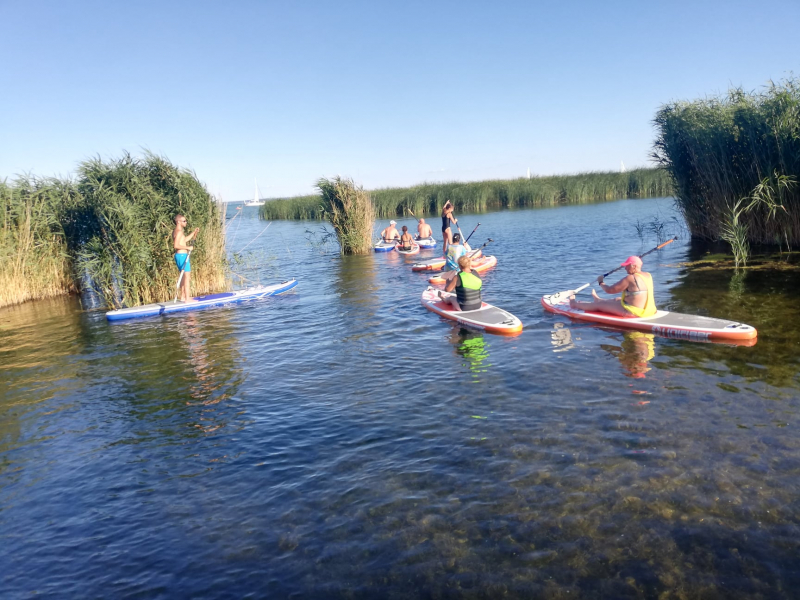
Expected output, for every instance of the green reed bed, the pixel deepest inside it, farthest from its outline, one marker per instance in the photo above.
(735, 161)
(349, 210)
(34, 262)
(125, 222)
(428, 198)
(109, 229)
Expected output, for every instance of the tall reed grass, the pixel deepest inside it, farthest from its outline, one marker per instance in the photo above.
(428, 198)
(735, 162)
(109, 229)
(122, 231)
(349, 210)
(34, 261)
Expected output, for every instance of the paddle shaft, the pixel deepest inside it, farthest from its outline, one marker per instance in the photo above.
(473, 231)
(643, 255)
(180, 277)
(471, 254)
(585, 285)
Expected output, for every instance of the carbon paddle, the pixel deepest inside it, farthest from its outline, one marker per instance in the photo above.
(559, 295)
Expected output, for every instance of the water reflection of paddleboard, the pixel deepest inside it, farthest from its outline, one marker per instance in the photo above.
(162, 308)
(478, 266)
(487, 318)
(664, 323)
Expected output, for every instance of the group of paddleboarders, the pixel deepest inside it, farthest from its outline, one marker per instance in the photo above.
(390, 233)
(636, 287)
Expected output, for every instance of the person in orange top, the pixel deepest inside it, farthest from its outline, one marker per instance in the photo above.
(637, 294)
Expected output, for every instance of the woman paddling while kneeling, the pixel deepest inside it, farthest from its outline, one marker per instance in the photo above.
(637, 294)
(467, 286)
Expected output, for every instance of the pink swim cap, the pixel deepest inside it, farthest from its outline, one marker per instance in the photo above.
(632, 260)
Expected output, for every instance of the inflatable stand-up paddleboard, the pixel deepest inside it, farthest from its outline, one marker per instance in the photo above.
(487, 318)
(427, 242)
(163, 308)
(478, 266)
(414, 249)
(437, 264)
(663, 323)
(383, 246)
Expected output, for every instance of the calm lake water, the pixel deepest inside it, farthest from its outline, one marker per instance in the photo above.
(342, 442)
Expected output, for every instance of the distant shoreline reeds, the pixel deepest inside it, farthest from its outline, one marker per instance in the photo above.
(479, 196)
(735, 161)
(109, 230)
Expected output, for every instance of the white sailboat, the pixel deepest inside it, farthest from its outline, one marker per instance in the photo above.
(256, 201)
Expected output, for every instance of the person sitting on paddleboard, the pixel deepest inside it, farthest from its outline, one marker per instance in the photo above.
(447, 220)
(423, 230)
(467, 286)
(181, 248)
(390, 233)
(406, 241)
(637, 294)
(454, 251)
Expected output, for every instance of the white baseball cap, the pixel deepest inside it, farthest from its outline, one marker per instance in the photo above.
(392, 222)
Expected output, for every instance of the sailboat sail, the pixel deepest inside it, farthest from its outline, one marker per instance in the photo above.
(256, 201)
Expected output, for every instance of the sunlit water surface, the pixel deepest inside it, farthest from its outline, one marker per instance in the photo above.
(342, 441)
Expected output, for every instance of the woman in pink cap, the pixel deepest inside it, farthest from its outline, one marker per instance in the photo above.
(637, 294)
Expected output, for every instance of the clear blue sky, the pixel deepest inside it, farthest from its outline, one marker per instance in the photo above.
(389, 93)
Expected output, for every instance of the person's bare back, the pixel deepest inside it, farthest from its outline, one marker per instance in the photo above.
(424, 230)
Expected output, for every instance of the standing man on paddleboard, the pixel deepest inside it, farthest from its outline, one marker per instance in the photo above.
(447, 220)
(423, 230)
(637, 294)
(181, 248)
(390, 233)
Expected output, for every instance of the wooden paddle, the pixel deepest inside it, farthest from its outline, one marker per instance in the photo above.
(559, 296)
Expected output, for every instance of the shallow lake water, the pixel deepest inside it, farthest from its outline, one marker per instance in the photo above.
(340, 441)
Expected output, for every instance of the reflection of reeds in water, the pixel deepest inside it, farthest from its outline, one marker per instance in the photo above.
(350, 212)
(34, 263)
(428, 198)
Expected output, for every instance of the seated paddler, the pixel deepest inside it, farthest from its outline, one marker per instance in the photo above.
(467, 286)
(637, 294)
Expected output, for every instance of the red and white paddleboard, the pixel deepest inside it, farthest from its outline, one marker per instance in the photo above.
(487, 318)
(664, 323)
(478, 266)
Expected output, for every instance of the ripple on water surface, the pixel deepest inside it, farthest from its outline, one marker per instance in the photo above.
(342, 441)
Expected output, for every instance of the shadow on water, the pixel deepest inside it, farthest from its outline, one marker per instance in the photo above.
(764, 298)
(39, 342)
(166, 365)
